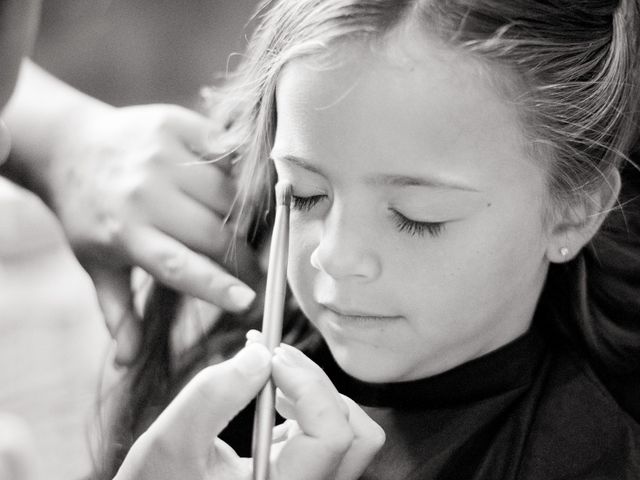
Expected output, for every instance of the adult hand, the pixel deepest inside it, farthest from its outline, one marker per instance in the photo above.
(18, 457)
(130, 189)
(326, 436)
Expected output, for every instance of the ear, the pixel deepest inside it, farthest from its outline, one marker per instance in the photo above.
(574, 227)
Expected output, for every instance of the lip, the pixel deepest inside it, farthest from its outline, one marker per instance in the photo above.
(356, 314)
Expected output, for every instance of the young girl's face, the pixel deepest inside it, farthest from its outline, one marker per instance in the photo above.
(417, 240)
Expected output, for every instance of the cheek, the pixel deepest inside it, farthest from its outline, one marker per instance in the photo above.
(302, 243)
(477, 261)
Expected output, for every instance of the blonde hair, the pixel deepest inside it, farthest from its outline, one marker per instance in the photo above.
(575, 66)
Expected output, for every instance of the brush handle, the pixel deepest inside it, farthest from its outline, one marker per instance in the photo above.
(272, 333)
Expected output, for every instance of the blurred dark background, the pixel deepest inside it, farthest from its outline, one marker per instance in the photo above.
(141, 51)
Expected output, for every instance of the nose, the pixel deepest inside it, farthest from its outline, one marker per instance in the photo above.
(345, 249)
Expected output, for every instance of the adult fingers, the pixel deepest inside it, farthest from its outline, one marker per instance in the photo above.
(326, 435)
(197, 133)
(211, 237)
(207, 184)
(178, 444)
(203, 139)
(305, 362)
(191, 223)
(191, 128)
(173, 264)
(116, 302)
(214, 396)
(227, 465)
(368, 437)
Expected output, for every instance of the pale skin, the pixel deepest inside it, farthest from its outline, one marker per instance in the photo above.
(337, 254)
(417, 236)
(127, 185)
(340, 253)
(326, 436)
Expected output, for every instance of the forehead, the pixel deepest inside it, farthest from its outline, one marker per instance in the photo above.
(412, 99)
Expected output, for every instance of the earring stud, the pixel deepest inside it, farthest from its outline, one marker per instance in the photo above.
(564, 251)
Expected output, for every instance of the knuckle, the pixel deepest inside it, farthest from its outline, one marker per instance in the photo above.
(155, 154)
(310, 387)
(240, 376)
(344, 407)
(341, 439)
(134, 192)
(376, 436)
(110, 229)
(171, 266)
(217, 281)
(342, 435)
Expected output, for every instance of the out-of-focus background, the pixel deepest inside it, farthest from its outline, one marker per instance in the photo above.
(54, 349)
(141, 51)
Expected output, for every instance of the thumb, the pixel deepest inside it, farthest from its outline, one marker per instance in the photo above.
(179, 443)
(214, 396)
(113, 288)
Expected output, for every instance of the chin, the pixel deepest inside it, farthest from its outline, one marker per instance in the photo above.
(367, 365)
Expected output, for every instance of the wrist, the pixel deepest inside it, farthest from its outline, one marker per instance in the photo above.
(77, 123)
(45, 117)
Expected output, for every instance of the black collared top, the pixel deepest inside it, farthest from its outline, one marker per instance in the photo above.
(525, 411)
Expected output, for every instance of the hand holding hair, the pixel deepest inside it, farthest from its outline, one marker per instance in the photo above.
(151, 202)
(130, 189)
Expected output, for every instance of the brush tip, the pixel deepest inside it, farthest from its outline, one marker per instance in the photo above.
(283, 193)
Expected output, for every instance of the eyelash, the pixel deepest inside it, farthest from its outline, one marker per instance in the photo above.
(403, 224)
(417, 229)
(304, 204)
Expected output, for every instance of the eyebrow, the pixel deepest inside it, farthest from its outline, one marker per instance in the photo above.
(384, 179)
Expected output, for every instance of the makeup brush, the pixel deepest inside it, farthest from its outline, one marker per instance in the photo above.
(272, 328)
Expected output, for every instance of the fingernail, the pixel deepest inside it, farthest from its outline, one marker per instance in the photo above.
(285, 357)
(241, 295)
(253, 335)
(252, 359)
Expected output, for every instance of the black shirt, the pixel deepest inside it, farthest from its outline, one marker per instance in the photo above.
(531, 410)
(525, 411)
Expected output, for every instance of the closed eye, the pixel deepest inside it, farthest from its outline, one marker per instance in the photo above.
(304, 204)
(416, 228)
